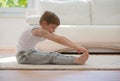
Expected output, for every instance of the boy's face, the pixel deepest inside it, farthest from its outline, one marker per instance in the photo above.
(49, 27)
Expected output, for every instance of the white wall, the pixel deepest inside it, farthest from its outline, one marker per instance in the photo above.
(10, 29)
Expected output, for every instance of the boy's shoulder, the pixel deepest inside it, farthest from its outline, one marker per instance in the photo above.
(39, 32)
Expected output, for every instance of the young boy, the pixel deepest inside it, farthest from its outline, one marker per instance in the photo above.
(48, 23)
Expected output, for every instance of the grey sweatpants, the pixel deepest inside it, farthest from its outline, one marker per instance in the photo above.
(40, 57)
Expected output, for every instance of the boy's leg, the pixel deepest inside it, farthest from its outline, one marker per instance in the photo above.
(40, 57)
(62, 59)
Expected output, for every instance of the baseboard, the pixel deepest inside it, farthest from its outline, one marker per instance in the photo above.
(8, 49)
(94, 53)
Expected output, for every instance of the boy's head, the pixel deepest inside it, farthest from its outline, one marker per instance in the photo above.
(50, 18)
(49, 21)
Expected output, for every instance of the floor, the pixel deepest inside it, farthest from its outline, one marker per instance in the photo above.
(36, 75)
(55, 75)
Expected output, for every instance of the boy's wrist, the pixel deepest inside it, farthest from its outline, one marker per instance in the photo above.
(82, 50)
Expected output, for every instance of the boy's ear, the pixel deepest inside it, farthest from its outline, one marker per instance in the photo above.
(44, 23)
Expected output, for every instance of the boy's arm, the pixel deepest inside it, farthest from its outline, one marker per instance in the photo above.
(59, 39)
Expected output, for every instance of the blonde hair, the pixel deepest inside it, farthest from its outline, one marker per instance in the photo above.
(50, 18)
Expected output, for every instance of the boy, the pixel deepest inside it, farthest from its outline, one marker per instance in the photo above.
(48, 23)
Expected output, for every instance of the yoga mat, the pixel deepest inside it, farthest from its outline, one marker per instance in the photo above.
(95, 62)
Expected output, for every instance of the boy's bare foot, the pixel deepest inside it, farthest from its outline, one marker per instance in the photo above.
(82, 59)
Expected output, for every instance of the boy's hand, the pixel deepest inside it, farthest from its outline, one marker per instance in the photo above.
(82, 50)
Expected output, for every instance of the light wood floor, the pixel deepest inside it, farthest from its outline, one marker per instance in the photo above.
(36, 75)
(54, 75)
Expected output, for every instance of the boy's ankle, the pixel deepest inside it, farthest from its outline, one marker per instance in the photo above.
(77, 62)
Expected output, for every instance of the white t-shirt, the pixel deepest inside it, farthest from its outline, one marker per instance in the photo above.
(27, 41)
